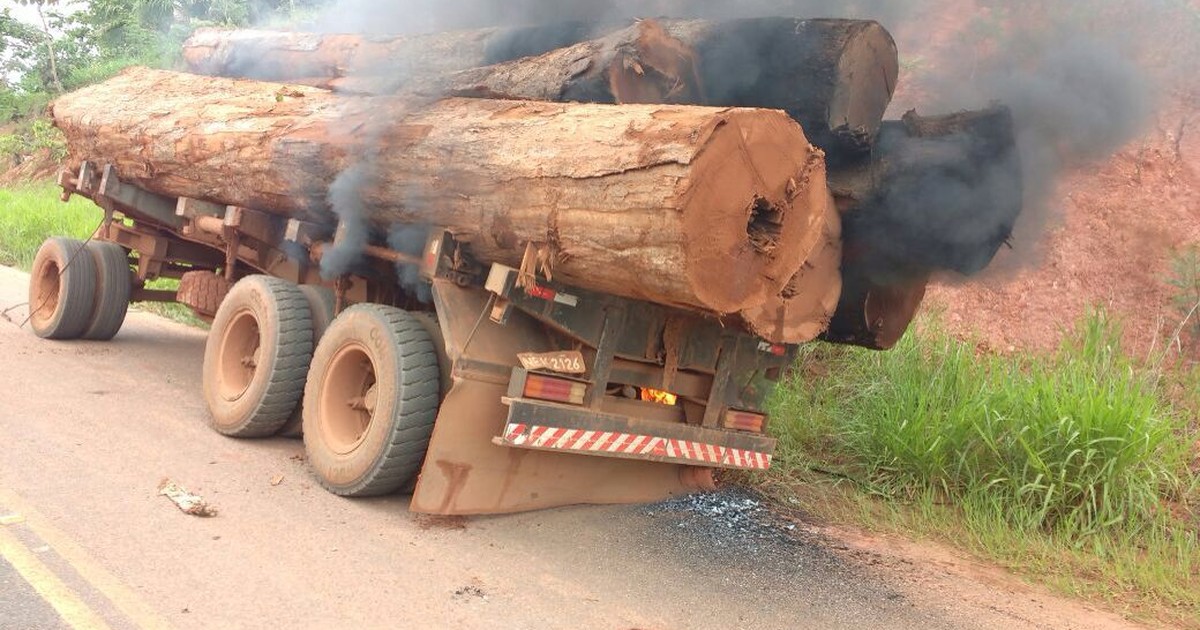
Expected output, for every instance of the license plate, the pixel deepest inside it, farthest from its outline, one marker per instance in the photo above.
(567, 362)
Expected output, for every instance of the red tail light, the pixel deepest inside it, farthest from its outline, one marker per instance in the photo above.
(555, 389)
(744, 421)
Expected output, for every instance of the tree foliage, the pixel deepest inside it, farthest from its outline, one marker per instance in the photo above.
(81, 41)
(72, 43)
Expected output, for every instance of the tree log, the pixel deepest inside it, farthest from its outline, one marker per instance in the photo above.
(686, 206)
(835, 77)
(320, 60)
(803, 309)
(640, 63)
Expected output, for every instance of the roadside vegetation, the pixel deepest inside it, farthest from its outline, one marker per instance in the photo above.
(32, 212)
(72, 44)
(1078, 468)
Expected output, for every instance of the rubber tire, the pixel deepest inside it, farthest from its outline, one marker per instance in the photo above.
(113, 288)
(321, 305)
(285, 348)
(430, 321)
(76, 289)
(203, 292)
(408, 378)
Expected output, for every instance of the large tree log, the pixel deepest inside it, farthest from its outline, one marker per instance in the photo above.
(836, 77)
(689, 206)
(320, 60)
(875, 316)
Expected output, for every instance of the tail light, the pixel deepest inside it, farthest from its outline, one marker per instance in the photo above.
(554, 389)
(744, 421)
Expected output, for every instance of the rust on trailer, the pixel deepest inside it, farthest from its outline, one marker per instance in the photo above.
(466, 473)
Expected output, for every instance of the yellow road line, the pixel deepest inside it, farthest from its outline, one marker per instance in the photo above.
(91, 571)
(42, 579)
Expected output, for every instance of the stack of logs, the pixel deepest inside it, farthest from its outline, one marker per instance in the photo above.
(741, 168)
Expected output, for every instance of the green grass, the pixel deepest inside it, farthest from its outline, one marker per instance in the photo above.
(1071, 467)
(31, 213)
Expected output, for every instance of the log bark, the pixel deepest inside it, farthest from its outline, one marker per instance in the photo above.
(320, 60)
(640, 63)
(685, 206)
(806, 305)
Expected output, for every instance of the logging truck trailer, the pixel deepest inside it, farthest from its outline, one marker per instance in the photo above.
(481, 388)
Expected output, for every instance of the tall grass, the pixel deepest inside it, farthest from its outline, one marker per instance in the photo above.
(30, 213)
(1026, 457)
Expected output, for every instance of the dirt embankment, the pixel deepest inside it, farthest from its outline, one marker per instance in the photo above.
(1111, 225)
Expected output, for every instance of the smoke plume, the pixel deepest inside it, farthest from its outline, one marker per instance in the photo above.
(1073, 72)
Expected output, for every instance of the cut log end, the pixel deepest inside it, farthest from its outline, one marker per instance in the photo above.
(654, 68)
(803, 309)
(755, 190)
(875, 316)
(865, 81)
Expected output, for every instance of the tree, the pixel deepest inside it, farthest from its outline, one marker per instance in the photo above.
(40, 5)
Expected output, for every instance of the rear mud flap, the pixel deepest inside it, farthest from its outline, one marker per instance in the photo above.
(466, 473)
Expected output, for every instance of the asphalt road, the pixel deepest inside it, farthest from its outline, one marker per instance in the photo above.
(88, 431)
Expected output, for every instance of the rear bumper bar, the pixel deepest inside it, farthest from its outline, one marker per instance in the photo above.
(539, 425)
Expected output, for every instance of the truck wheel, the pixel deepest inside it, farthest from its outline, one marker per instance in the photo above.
(370, 402)
(62, 288)
(321, 304)
(113, 287)
(257, 356)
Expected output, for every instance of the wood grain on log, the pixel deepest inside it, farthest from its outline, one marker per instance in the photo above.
(688, 206)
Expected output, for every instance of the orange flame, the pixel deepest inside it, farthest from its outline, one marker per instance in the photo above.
(659, 396)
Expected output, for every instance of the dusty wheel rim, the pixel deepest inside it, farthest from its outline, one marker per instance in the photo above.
(348, 398)
(47, 287)
(240, 353)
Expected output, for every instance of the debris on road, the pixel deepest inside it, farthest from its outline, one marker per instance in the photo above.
(276, 480)
(11, 519)
(187, 502)
(731, 517)
(471, 591)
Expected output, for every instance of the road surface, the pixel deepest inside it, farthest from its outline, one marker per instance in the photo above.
(89, 430)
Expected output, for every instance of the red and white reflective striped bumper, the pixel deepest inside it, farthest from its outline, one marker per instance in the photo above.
(633, 446)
